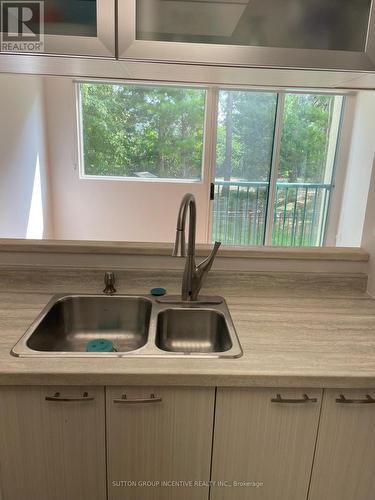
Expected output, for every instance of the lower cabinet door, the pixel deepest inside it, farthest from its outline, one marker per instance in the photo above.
(159, 442)
(264, 443)
(52, 443)
(344, 466)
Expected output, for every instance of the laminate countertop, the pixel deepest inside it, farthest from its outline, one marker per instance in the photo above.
(301, 330)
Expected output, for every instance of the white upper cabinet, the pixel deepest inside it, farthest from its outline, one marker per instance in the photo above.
(80, 27)
(70, 27)
(329, 34)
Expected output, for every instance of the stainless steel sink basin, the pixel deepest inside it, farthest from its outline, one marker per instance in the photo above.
(192, 330)
(73, 321)
(142, 326)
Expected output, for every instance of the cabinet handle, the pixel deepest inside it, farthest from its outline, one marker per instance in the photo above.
(151, 399)
(343, 400)
(305, 399)
(57, 397)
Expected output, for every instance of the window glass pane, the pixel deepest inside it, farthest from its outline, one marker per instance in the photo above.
(307, 154)
(246, 122)
(310, 24)
(142, 131)
(70, 17)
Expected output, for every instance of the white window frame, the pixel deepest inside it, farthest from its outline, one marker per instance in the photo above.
(209, 147)
(335, 198)
(160, 180)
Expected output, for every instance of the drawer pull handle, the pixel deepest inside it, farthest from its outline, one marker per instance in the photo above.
(57, 397)
(305, 399)
(124, 399)
(343, 400)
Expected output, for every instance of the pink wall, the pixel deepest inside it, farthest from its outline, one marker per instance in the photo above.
(25, 211)
(91, 209)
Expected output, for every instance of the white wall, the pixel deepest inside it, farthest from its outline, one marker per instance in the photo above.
(367, 175)
(24, 201)
(359, 170)
(35, 202)
(90, 209)
(368, 241)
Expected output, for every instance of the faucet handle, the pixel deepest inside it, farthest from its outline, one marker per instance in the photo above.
(109, 281)
(216, 247)
(206, 265)
(203, 269)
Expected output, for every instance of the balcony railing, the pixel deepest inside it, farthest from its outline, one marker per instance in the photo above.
(299, 214)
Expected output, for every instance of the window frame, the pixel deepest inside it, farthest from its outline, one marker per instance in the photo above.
(281, 93)
(160, 180)
(210, 126)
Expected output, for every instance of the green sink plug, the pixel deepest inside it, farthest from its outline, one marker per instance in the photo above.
(100, 345)
(158, 292)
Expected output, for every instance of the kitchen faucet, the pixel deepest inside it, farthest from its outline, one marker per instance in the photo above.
(109, 281)
(194, 275)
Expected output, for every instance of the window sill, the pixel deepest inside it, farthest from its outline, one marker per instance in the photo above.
(165, 249)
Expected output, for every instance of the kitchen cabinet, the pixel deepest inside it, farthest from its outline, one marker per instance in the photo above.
(157, 434)
(175, 443)
(345, 454)
(80, 27)
(76, 27)
(314, 34)
(265, 438)
(327, 34)
(52, 443)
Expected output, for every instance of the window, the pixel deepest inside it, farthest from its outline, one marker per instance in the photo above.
(142, 131)
(245, 136)
(275, 158)
(275, 153)
(305, 172)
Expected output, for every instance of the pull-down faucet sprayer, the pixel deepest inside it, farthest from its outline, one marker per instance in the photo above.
(194, 275)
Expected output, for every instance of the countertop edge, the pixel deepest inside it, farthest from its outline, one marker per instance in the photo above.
(165, 250)
(191, 380)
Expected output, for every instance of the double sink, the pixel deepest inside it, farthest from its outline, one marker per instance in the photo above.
(137, 326)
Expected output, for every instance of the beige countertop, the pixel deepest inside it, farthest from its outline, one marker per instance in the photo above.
(299, 330)
(165, 249)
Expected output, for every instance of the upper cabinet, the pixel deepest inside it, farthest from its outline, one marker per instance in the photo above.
(80, 27)
(304, 34)
(69, 27)
(329, 34)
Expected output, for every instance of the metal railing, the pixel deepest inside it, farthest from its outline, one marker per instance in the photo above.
(299, 214)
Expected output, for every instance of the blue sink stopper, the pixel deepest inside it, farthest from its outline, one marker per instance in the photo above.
(158, 292)
(100, 345)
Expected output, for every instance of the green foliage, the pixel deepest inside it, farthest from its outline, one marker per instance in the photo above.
(306, 126)
(129, 129)
(252, 130)
(305, 137)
